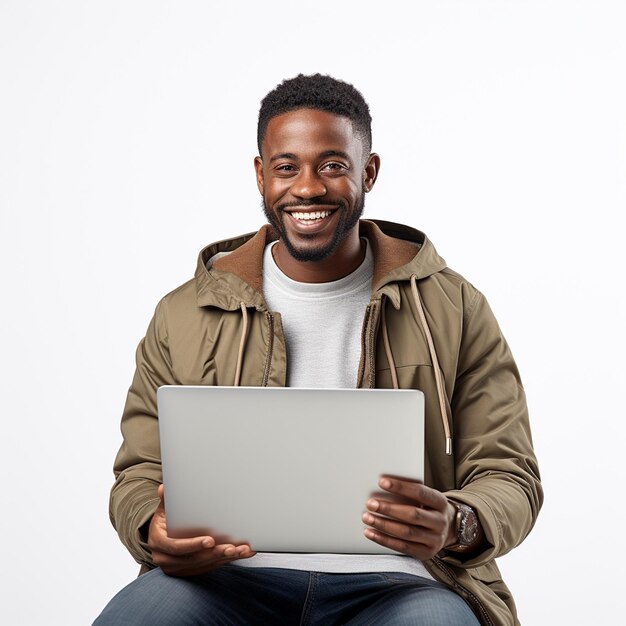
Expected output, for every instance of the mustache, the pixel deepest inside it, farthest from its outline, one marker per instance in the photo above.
(310, 202)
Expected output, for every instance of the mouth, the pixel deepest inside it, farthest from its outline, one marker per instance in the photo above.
(310, 217)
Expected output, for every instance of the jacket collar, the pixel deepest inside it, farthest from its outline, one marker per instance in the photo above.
(235, 275)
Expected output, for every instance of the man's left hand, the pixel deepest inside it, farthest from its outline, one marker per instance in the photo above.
(411, 518)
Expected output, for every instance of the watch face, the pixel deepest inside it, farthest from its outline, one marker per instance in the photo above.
(467, 529)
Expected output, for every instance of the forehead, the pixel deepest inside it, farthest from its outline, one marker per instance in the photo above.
(305, 131)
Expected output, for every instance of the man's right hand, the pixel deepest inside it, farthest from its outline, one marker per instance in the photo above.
(192, 556)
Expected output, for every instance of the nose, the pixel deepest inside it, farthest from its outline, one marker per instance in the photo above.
(308, 184)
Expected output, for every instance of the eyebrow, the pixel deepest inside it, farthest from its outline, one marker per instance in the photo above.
(284, 155)
(338, 153)
(323, 155)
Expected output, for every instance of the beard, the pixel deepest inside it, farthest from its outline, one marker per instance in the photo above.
(347, 221)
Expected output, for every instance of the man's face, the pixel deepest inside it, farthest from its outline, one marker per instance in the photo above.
(313, 176)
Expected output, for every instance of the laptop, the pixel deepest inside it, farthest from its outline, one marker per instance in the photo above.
(284, 469)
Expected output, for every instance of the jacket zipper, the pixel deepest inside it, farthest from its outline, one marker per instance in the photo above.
(372, 348)
(363, 345)
(270, 349)
(460, 588)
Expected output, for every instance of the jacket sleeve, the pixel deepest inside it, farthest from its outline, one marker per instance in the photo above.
(137, 466)
(496, 468)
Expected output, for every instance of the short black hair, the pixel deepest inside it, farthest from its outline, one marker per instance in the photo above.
(321, 92)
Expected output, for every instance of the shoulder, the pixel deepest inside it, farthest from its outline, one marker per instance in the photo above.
(185, 293)
(449, 290)
(176, 308)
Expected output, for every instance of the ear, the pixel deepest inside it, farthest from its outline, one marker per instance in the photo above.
(370, 171)
(258, 166)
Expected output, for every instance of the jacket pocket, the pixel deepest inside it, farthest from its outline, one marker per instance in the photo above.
(410, 376)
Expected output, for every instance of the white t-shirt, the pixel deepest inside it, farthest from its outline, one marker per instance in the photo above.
(322, 323)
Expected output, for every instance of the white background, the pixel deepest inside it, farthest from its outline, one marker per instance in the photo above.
(127, 133)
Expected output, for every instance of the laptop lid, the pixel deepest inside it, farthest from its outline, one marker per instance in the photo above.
(285, 469)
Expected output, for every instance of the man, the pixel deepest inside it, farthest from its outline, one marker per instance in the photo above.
(320, 298)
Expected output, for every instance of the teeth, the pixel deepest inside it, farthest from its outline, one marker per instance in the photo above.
(311, 215)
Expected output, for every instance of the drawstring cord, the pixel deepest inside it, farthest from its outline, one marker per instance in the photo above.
(435, 360)
(242, 344)
(433, 356)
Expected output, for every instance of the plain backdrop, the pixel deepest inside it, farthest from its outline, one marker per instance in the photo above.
(127, 136)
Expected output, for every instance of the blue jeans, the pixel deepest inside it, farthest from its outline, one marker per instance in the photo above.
(264, 596)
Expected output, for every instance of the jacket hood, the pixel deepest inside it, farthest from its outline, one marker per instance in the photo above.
(230, 272)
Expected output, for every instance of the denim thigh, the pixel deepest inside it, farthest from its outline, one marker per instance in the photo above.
(225, 596)
(232, 595)
(414, 601)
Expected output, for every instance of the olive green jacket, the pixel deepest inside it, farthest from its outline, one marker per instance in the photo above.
(471, 385)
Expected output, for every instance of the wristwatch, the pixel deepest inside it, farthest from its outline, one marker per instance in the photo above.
(467, 528)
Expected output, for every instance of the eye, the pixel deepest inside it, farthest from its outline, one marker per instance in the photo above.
(285, 168)
(334, 167)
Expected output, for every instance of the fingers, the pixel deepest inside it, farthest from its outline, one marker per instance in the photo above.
(192, 546)
(180, 547)
(415, 534)
(159, 541)
(416, 492)
(410, 514)
(219, 552)
(407, 523)
(415, 521)
(416, 550)
(420, 542)
(202, 561)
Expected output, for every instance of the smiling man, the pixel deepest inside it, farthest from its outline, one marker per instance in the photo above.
(321, 298)
(313, 177)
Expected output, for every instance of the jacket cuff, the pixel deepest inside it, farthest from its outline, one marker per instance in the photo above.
(141, 505)
(139, 546)
(490, 525)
